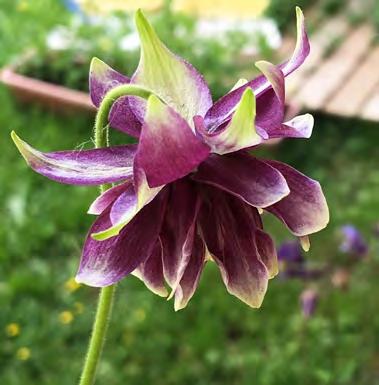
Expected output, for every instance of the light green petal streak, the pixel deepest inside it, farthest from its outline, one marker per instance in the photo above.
(240, 132)
(170, 77)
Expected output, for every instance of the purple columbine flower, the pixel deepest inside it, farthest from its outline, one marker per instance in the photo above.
(308, 301)
(292, 261)
(353, 242)
(190, 190)
(290, 251)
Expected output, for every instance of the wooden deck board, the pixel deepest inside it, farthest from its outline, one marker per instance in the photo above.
(370, 110)
(320, 41)
(350, 98)
(329, 77)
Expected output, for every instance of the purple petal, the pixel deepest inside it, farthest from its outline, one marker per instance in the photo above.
(222, 108)
(242, 175)
(178, 230)
(80, 167)
(188, 284)
(274, 76)
(174, 80)
(302, 47)
(228, 226)
(123, 118)
(151, 272)
(267, 252)
(129, 203)
(270, 111)
(107, 198)
(270, 104)
(123, 205)
(300, 126)
(105, 262)
(101, 80)
(304, 210)
(168, 149)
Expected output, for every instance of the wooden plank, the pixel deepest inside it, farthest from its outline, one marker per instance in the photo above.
(349, 99)
(371, 108)
(320, 40)
(327, 78)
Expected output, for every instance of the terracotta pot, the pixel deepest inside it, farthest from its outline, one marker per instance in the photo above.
(55, 97)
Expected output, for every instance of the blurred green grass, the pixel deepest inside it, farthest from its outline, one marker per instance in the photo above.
(217, 339)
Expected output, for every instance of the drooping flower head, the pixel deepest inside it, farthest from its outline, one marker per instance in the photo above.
(353, 242)
(191, 190)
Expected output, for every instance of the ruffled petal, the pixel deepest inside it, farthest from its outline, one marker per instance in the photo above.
(178, 230)
(238, 133)
(104, 263)
(304, 210)
(300, 126)
(168, 149)
(104, 200)
(228, 228)
(171, 78)
(267, 252)
(80, 167)
(151, 272)
(102, 79)
(270, 104)
(189, 281)
(222, 108)
(129, 203)
(248, 178)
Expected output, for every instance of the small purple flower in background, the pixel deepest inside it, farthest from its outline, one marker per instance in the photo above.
(290, 251)
(190, 191)
(353, 242)
(292, 263)
(308, 302)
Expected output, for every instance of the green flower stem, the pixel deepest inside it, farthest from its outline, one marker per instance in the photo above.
(105, 303)
(101, 122)
(100, 326)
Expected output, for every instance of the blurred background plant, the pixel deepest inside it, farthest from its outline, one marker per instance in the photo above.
(329, 335)
(63, 58)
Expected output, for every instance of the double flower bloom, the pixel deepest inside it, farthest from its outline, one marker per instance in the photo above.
(190, 190)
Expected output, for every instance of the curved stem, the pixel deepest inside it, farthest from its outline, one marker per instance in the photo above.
(104, 307)
(107, 103)
(100, 326)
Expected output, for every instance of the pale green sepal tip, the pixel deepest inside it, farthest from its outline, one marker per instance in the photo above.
(108, 233)
(267, 69)
(97, 66)
(240, 83)
(145, 30)
(246, 107)
(21, 145)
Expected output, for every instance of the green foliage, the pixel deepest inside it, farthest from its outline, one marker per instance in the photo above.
(103, 37)
(283, 11)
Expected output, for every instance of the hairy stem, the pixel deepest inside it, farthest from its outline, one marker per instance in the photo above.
(104, 307)
(100, 326)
